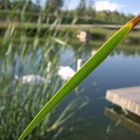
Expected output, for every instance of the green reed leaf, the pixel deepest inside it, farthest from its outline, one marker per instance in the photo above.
(80, 75)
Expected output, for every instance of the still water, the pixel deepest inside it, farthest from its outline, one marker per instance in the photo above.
(119, 70)
(93, 121)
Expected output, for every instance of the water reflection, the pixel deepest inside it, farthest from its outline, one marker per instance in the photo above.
(120, 69)
(129, 121)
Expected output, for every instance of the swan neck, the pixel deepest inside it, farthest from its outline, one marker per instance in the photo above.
(79, 64)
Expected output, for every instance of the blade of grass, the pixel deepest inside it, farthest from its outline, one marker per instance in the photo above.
(85, 70)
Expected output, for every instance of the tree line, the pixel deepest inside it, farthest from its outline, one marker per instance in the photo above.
(85, 12)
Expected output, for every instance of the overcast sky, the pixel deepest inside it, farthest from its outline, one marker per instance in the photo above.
(126, 6)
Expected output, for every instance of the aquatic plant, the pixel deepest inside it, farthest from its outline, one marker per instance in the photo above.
(21, 55)
(85, 70)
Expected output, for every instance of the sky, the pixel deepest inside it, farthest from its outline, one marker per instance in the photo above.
(125, 6)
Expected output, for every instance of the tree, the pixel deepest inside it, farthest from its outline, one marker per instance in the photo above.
(90, 10)
(5, 4)
(82, 5)
(81, 8)
(27, 4)
(54, 5)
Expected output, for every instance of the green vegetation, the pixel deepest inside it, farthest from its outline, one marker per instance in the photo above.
(28, 50)
(84, 13)
(81, 74)
(20, 102)
(54, 5)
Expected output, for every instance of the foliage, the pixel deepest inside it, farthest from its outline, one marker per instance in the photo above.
(54, 5)
(81, 74)
(84, 14)
(20, 102)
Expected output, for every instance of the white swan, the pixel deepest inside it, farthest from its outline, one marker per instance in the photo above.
(32, 78)
(82, 36)
(66, 72)
(93, 52)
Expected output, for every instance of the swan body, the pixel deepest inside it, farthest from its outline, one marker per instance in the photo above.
(82, 36)
(31, 79)
(66, 72)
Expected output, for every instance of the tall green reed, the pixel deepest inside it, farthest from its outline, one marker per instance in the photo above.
(18, 102)
(85, 70)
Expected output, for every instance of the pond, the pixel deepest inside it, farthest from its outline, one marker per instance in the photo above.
(121, 69)
(93, 121)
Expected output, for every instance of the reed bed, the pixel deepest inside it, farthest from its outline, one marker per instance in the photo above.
(20, 102)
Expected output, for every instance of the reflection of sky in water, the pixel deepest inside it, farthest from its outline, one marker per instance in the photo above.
(118, 70)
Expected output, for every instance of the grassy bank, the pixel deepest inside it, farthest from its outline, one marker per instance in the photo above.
(98, 35)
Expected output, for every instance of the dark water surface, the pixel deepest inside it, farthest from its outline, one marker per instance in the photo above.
(93, 122)
(119, 70)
